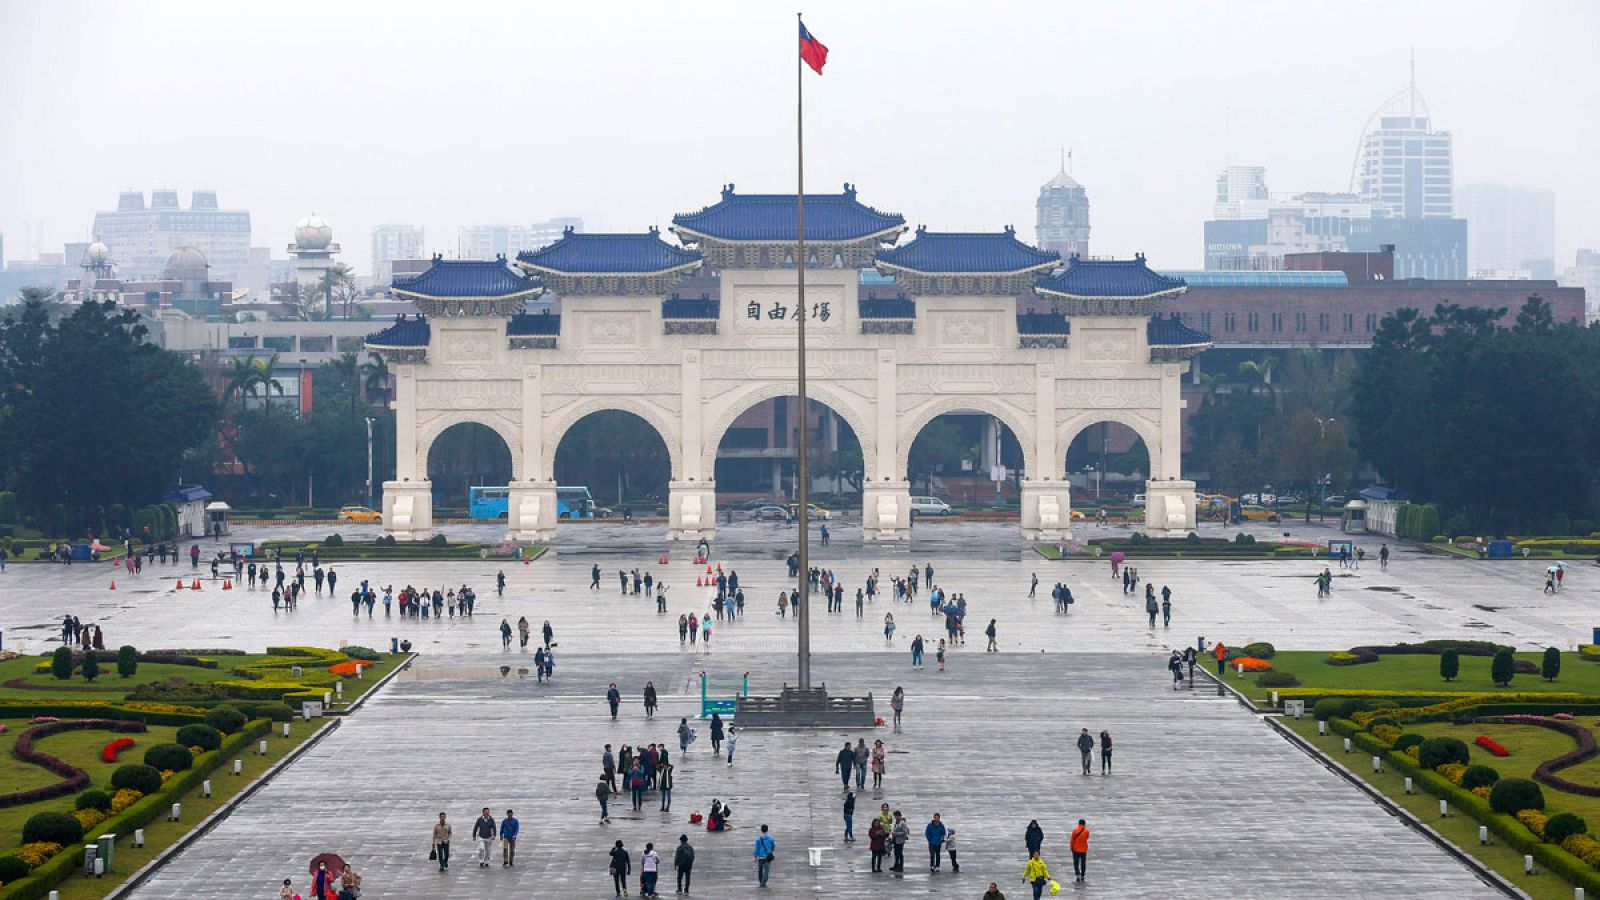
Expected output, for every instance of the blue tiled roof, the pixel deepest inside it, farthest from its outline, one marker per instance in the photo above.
(1381, 492)
(188, 493)
(1043, 323)
(405, 332)
(690, 308)
(467, 278)
(772, 217)
(1108, 278)
(953, 251)
(527, 325)
(609, 254)
(1165, 332)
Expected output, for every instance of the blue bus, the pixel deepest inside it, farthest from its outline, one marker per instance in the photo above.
(572, 502)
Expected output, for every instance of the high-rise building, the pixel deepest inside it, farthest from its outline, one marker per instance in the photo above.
(1405, 166)
(1242, 193)
(1512, 229)
(141, 238)
(392, 242)
(1063, 216)
(1585, 273)
(489, 241)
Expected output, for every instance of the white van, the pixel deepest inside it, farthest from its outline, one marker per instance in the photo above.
(930, 506)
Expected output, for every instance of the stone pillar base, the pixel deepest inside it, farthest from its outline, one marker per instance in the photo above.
(886, 511)
(531, 511)
(1169, 509)
(1046, 511)
(691, 510)
(408, 510)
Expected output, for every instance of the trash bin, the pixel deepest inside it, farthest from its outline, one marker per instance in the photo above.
(1596, 636)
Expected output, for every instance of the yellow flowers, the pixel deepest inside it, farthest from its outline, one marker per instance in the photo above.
(1451, 771)
(123, 799)
(89, 818)
(37, 853)
(1534, 820)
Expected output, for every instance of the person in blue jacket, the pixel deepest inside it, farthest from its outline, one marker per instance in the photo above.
(935, 834)
(764, 850)
(509, 829)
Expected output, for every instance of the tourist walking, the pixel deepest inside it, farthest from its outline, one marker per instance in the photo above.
(683, 863)
(844, 764)
(934, 832)
(733, 738)
(1080, 852)
(716, 734)
(993, 893)
(685, 735)
(765, 849)
(484, 831)
(850, 817)
(990, 633)
(509, 829)
(649, 699)
(1036, 873)
(899, 834)
(664, 784)
(1033, 838)
(1151, 608)
(1383, 557)
(441, 843)
(878, 842)
(621, 865)
(888, 626)
(950, 848)
(1086, 748)
(649, 870)
(878, 764)
(863, 758)
(602, 792)
(916, 652)
(1105, 752)
(613, 699)
(897, 702)
(505, 633)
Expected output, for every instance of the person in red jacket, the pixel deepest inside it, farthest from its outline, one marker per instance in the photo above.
(1080, 851)
(1222, 657)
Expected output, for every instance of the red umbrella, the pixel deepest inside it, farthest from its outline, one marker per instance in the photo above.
(1118, 557)
(336, 863)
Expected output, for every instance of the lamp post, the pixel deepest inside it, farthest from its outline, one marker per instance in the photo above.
(370, 420)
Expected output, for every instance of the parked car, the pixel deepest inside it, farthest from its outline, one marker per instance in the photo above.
(771, 511)
(757, 503)
(812, 511)
(930, 506)
(1334, 500)
(1256, 513)
(360, 514)
(1138, 501)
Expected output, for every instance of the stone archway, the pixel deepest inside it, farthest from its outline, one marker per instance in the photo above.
(670, 431)
(478, 454)
(1148, 431)
(924, 414)
(854, 412)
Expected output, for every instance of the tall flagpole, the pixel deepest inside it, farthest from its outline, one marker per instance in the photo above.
(802, 475)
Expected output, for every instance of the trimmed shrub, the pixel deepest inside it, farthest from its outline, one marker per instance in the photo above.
(1583, 847)
(1439, 751)
(1409, 739)
(61, 663)
(1325, 709)
(333, 540)
(1349, 706)
(1244, 538)
(1277, 680)
(1341, 658)
(1383, 720)
(1550, 667)
(1479, 776)
(224, 719)
(144, 779)
(91, 667)
(1502, 667)
(1564, 825)
(277, 712)
(52, 828)
(365, 654)
(12, 869)
(1513, 795)
(203, 736)
(1449, 665)
(168, 758)
(1534, 821)
(127, 660)
(1259, 650)
(93, 800)
(439, 540)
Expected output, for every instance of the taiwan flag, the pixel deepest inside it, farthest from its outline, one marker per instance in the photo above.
(812, 50)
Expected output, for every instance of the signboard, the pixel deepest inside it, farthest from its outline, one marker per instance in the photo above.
(1336, 548)
(312, 709)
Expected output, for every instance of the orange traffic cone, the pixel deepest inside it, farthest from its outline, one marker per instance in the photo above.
(662, 560)
(719, 567)
(227, 584)
(526, 560)
(180, 585)
(113, 584)
(195, 586)
(708, 570)
(699, 582)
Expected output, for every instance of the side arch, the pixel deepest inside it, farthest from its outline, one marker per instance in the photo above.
(919, 418)
(1148, 430)
(509, 431)
(854, 411)
(557, 428)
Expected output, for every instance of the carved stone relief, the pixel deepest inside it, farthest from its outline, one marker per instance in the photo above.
(1108, 394)
(1107, 345)
(497, 394)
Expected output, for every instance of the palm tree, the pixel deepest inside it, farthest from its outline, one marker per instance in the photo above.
(249, 375)
(337, 281)
(37, 295)
(1260, 372)
(376, 370)
(349, 372)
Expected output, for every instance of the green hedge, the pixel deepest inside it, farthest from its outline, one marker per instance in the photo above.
(146, 810)
(30, 708)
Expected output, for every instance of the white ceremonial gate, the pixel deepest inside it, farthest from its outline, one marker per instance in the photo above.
(955, 342)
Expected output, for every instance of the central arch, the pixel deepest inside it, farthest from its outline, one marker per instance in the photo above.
(464, 454)
(920, 417)
(1148, 431)
(668, 430)
(846, 407)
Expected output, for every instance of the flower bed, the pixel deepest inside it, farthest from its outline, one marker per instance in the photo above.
(1491, 745)
(109, 752)
(1250, 664)
(74, 778)
(346, 669)
(1546, 772)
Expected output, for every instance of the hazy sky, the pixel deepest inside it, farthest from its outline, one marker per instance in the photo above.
(445, 113)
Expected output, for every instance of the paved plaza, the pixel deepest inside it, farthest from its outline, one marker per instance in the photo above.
(1205, 799)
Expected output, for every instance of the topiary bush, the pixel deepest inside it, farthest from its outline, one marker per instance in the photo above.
(93, 800)
(439, 540)
(168, 758)
(12, 869)
(1325, 709)
(1349, 706)
(1440, 751)
(127, 660)
(1383, 720)
(1277, 680)
(1502, 667)
(1449, 664)
(144, 779)
(1479, 776)
(366, 654)
(224, 719)
(1244, 538)
(203, 736)
(1513, 795)
(1407, 740)
(277, 712)
(61, 663)
(1550, 667)
(1259, 650)
(52, 828)
(1564, 825)
(91, 667)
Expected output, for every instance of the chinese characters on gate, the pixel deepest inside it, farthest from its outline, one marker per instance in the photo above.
(778, 311)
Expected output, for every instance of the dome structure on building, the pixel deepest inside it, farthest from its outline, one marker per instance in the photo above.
(313, 233)
(98, 254)
(186, 264)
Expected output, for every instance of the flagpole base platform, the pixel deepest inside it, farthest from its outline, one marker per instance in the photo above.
(814, 708)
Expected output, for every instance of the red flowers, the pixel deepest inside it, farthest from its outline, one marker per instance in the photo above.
(109, 752)
(1491, 745)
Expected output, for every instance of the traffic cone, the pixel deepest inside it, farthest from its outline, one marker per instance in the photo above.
(113, 584)
(195, 586)
(662, 560)
(708, 570)
(227, 584)
(526, 560)
(699, 582)
(180, 585)
(719, 568)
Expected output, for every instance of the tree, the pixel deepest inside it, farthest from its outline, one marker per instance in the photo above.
(1312, 448)
(61, 663)
(348, 371)
(338, 286)
(1259, 372)
(938, 444)
(1535, 318)
(1551, 665)
(91, 666)
(375, 374)
(1449, 665)
(127, 660)
(1502, 667)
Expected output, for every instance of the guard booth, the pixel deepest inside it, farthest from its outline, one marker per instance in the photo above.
(217, 518)
(1355, 517)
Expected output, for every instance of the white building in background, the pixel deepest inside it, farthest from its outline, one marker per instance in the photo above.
(1585, 273)
(1510, 228)
(490, 241)
(1406, 167)
(313, 249)
(141, 238)
(1063, 216)
(1242, 193)
(392, 242)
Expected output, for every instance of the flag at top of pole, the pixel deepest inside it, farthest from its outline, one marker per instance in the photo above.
(812, 50)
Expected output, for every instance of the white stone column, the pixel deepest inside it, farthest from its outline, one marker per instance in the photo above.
(531, 511)
(1046, 510)
(692, 496)
(408, 509)
(406, 465)
(692, 510)
(886, 511)
(885, 493)
(1169, 508)
(989, 445)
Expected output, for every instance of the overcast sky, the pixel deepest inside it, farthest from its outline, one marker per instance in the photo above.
(952, 113)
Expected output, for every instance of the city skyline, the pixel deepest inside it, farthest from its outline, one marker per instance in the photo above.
(609, 134)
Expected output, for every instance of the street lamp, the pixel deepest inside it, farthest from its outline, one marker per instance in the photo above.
(370, 420)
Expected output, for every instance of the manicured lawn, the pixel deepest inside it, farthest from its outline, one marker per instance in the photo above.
(1459, 829)
(80, 748)
(1416, 672)
(1529, 746)
(112, 688)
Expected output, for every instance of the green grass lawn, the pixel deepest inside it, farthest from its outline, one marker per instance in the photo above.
(81, 749)
(1529, 746)
(1417, 672)
(112, 688)
(1459, 829)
